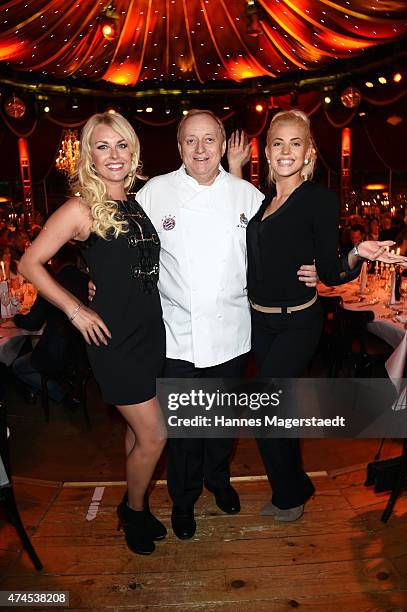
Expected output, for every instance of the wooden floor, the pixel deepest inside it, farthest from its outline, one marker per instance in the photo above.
(338, 557)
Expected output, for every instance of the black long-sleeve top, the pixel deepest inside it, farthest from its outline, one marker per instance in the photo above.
(303, 229)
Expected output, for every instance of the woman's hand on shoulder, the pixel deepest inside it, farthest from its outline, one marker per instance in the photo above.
(91, 325)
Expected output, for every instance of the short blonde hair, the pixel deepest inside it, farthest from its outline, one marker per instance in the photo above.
(301, 119)
(196, 111)
(91, 188)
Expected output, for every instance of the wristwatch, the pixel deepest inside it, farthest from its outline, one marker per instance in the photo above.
(355, 251)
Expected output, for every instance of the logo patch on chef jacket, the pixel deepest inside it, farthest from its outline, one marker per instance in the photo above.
(243, 221)
(168, 223)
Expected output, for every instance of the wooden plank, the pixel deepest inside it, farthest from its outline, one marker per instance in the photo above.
(186, 588)
(401, 564)
(210, 529)
(199, 555)
(365, 602)
(328, 578)
(69, 520)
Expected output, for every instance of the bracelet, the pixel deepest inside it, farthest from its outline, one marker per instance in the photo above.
(355, 251)
(75, 312)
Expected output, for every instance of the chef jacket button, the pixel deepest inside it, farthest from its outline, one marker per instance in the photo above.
(219, 316)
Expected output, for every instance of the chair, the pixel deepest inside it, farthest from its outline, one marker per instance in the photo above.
(398, 485)
(330, 306)
(76, 379)
(7, 493)
(352, 343)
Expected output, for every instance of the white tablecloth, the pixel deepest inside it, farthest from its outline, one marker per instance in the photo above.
(11, 341)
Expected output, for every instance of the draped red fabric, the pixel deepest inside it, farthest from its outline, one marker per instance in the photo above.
(194, 40)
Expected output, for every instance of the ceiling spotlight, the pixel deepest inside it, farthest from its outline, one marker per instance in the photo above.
(185, 111)
(46, 109)
(75, 104)
(149, 109)
(139, 110)
(110, 110)
(259, 108)
(327, 100)
(108, 31)
(226, 108)
(362, 114)
(167, 111)
(382, 80)
(369, 84)
(109, 22)
(397, 77)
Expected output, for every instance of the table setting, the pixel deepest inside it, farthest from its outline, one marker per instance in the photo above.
(16, 296)
(377, 293)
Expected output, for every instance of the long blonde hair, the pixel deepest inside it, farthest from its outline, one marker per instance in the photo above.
(301, 119)
(91, 188)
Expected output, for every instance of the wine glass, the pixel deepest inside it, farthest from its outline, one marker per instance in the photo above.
(5, 300)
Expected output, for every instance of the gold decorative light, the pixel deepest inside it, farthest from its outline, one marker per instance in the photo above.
(14, 107)
(68, 152)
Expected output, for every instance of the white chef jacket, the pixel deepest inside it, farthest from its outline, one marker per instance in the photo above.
(202, 282)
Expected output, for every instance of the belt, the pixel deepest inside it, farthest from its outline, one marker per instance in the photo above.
(284, 309)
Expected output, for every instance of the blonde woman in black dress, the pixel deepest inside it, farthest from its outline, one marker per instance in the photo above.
(124, 329)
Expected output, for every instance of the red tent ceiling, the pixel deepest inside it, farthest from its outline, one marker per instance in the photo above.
(193, 40)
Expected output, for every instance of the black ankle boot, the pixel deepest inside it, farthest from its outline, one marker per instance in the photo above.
(136, 528)
(157, 529)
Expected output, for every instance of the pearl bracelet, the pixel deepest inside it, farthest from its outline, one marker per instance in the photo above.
(75, 312)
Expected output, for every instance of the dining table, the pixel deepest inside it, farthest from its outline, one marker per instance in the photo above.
(389, 324)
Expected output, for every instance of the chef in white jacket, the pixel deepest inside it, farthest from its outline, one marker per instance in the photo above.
(201, 213)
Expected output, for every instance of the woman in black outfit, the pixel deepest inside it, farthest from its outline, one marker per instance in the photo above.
(300, 219)
(124, 329)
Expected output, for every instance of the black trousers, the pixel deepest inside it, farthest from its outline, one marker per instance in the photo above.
(191, 461)
(283, 345)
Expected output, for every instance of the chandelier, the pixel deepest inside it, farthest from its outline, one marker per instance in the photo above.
(68, 152)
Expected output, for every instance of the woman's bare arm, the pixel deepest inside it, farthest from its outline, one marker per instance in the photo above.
(71, 220)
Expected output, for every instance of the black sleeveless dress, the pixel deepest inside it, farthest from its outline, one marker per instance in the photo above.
(125, 272)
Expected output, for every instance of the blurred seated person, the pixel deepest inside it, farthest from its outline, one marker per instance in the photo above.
(389, 228)
(4, 236)
(401, 240)
(34, 231)
(351, 238)
(61, 346)
(373, 229)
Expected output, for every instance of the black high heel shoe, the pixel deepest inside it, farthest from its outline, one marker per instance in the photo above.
(157, 529)
(136, 528)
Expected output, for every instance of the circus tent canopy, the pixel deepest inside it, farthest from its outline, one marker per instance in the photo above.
(157, 42)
